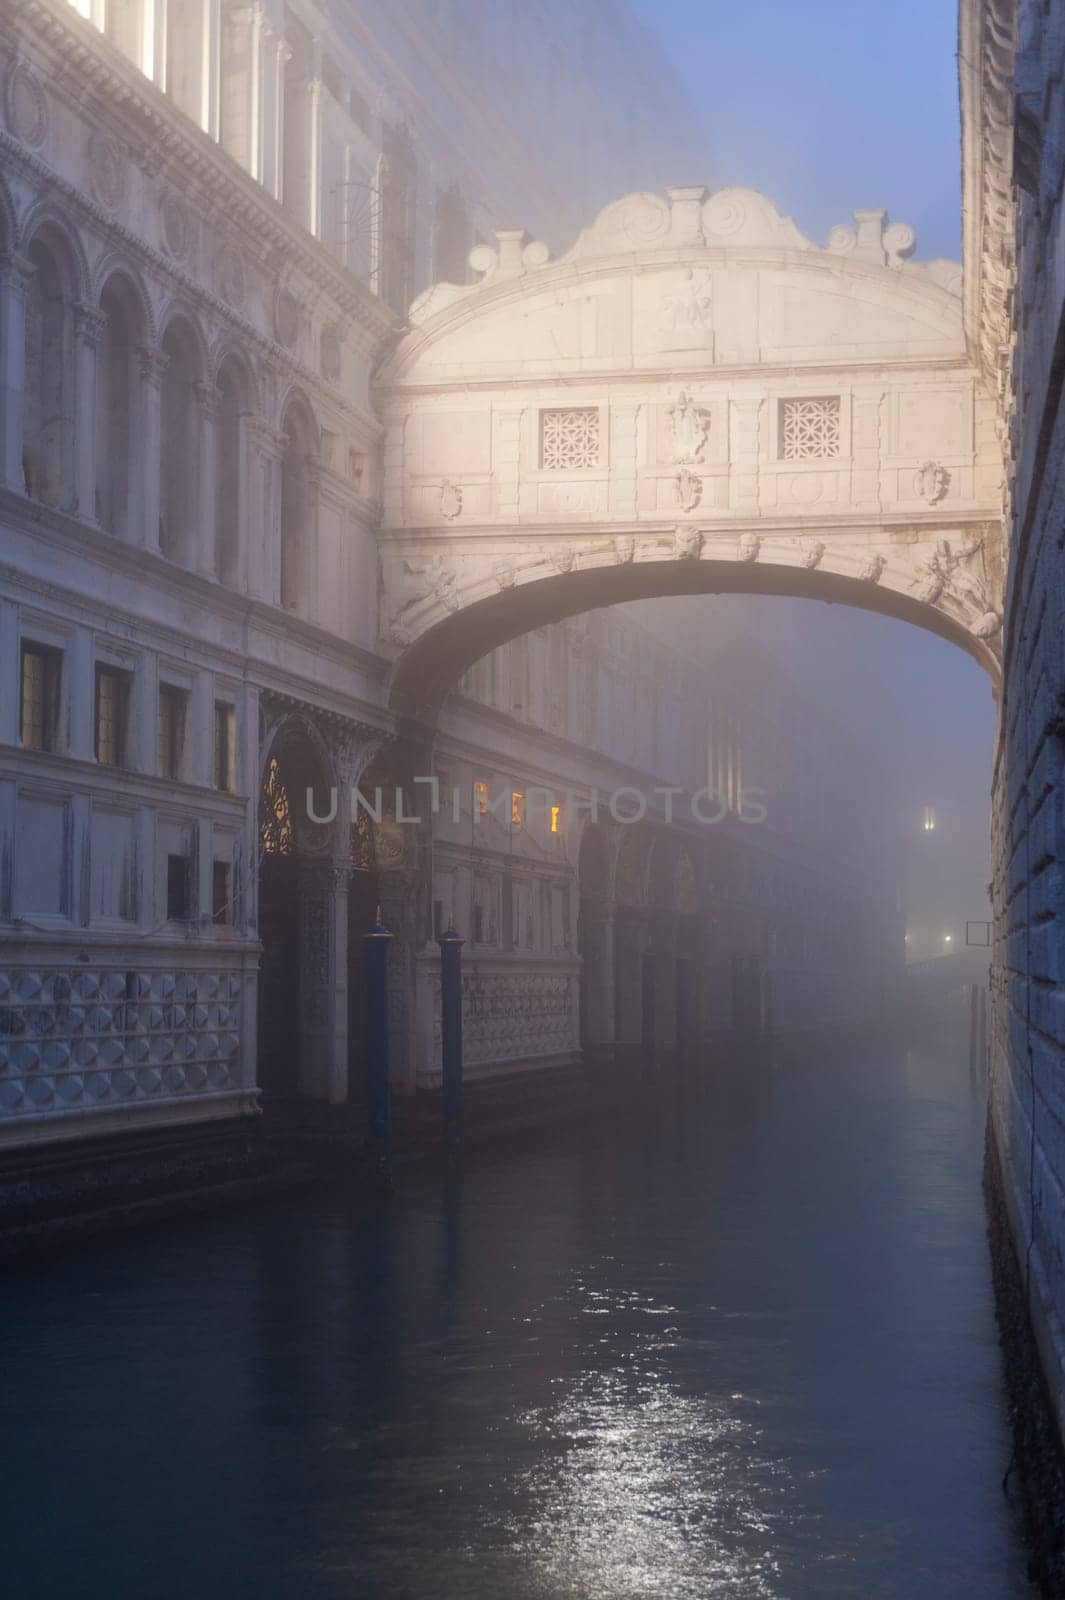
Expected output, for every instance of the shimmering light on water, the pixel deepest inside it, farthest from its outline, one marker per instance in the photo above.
(741, 1349)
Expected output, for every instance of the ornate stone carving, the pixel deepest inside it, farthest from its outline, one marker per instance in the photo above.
(80, 1036)
(813, 555)
(946, 571)
(872, 569)
(624, 549)
(562, 558)
(690, 427)
(286, 318)
(450, 501)
(988, 625)
(107, 169)
(25, 105)
(688, 544)
(503, 572)
(690, 307)
(750, 547)
(687, 489)
(931, 482)
(508, 1016)
(177, 225)
(230, 276)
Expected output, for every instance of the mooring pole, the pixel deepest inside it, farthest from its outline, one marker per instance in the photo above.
(451, 944)
(375, 944)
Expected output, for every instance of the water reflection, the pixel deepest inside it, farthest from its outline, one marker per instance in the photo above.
(740, 1346)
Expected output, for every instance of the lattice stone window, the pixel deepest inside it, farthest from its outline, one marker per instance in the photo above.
(569, 438)
(809, 429)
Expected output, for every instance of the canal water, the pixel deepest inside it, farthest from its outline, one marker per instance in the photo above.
(740, 1346)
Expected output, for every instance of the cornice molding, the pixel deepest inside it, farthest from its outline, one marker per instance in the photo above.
(986, 52)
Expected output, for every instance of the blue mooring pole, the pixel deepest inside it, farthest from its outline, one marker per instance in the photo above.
(451, 944)
(375, 944)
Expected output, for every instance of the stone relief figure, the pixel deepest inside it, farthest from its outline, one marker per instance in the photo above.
(946, 573)
(872, 569)
(688, 544)
(931, 482)
(813, 555)
(750, 547)
(689, 306)
(688, 489)
(504, 574)
(690, 425)
(624, 549)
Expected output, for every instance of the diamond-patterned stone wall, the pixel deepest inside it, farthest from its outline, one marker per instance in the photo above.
(79, 1037)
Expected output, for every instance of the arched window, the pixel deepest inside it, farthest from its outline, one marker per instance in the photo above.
(47, 434)
(178, 452)
(116, 389)
(232, 401)
(297, 510)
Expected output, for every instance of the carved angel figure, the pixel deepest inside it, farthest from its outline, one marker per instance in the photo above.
(688, 487)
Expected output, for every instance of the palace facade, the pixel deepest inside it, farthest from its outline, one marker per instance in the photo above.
(212, 220)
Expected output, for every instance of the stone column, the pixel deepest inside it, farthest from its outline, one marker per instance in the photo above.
(15, 273)
(623, 453)
(205, 554)
(144, 490)
(323, 912)
(314, 147)
(265, 449)
(310, 600)
(745, 454)
(276, 52)
(89, 325)
(866, 418)
(506, 464)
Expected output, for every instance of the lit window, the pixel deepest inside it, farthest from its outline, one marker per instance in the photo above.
(556, 819)
(171, 730)
(225, 747)
(112, 715)
(517, 809)
(809, 429)
(39, 697)
(929, 820)
(480, 798)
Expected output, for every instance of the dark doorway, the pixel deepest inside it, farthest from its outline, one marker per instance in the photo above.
(279, 976)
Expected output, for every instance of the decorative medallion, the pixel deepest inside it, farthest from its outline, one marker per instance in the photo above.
(330, 354)
(25, 106)
(931, 482)
(450, 501)
(688, 489)
(286, 318)
(177, 225)
(107, 169)
(232, 285)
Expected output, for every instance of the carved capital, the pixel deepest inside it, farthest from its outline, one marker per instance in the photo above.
(152, 365)
(89, 324)
(15, 273)
(208, 398)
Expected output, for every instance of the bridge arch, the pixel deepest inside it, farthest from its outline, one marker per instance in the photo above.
(695, 399)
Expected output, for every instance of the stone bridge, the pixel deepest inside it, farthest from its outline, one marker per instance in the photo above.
(695, 399)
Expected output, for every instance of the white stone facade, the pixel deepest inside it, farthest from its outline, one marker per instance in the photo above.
(191, 485)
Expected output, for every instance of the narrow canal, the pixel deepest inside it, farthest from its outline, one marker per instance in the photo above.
(739, 1348)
